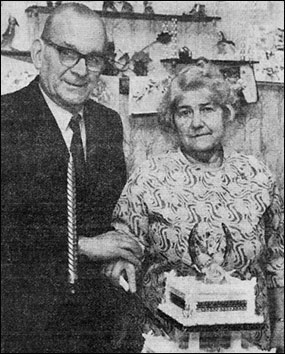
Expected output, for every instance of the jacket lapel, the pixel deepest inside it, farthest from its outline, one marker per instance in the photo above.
(48, 135)
(50, 138)
(91, 116)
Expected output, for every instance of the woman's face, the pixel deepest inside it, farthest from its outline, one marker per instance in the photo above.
(199, 122)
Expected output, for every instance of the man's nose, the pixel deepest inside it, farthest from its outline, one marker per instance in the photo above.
(80, 68)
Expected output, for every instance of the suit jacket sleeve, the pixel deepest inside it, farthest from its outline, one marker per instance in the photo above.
(106, 166)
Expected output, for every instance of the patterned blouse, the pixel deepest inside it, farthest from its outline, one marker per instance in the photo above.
(167, 196)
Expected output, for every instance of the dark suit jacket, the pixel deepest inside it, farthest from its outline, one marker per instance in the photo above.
(35, 296)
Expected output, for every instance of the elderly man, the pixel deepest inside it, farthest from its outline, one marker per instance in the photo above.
(55, 139)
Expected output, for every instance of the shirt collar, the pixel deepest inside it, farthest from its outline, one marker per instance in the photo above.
(61, 115)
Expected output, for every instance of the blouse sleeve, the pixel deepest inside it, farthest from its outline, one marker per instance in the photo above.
(130, 214)
(274, 228)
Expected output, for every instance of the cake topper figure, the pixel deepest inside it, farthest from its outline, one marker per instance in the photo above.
(210, 253)
(9, 35)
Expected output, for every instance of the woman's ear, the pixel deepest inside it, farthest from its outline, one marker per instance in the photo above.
(231, 114)
(37, 53)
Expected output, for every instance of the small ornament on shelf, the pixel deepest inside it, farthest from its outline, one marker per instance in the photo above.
(127, 7)
(109, 6)
(118, 6)
(225, 46)
(148, 9)
(141, 61)
(198, 12)
(164, 37)
(53, 3)
(9, 35)
(123, 62)
(185, 53)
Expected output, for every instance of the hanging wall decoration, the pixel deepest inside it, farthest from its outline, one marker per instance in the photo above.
(138, 62)
(15, 74)
(146, 94)
(269, 49)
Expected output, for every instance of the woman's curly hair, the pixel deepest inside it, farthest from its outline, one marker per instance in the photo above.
(192, 78)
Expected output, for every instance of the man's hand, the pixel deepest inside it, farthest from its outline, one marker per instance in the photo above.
(122, 273)
(110, 246)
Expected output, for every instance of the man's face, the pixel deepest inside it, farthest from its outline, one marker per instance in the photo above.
(70, 87)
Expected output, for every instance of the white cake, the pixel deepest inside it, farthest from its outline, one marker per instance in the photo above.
(218, 299)
(193, 302)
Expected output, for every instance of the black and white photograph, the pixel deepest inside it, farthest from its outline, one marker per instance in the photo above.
(142, 177)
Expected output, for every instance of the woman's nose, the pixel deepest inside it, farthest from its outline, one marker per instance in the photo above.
(197, 120)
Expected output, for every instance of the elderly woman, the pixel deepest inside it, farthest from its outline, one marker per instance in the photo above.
(201, 186)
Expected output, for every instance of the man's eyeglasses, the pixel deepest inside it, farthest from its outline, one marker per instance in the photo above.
(70, 57)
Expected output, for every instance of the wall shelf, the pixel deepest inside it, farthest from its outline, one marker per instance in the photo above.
(35, 10)
(271, 84)
(24, 55)
(229, 63)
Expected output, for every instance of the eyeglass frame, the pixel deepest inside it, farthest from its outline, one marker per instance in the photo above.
(60, 48)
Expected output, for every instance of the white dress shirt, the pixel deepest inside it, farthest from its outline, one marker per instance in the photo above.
(62, 118)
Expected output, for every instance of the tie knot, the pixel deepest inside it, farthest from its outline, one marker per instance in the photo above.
(74, 123)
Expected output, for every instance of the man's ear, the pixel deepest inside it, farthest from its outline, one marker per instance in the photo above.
(37, 53)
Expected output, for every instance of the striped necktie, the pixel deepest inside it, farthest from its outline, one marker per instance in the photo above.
(75, 198)
(77, 151)
(71, 225)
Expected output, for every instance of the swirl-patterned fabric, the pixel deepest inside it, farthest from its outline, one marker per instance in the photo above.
(167, 196)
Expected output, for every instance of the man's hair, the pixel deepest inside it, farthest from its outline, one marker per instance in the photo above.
(75, 7)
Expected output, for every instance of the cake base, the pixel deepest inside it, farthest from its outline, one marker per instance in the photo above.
(159, 344)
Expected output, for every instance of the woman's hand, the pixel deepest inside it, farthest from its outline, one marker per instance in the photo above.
(112, 245)
(122, 273)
